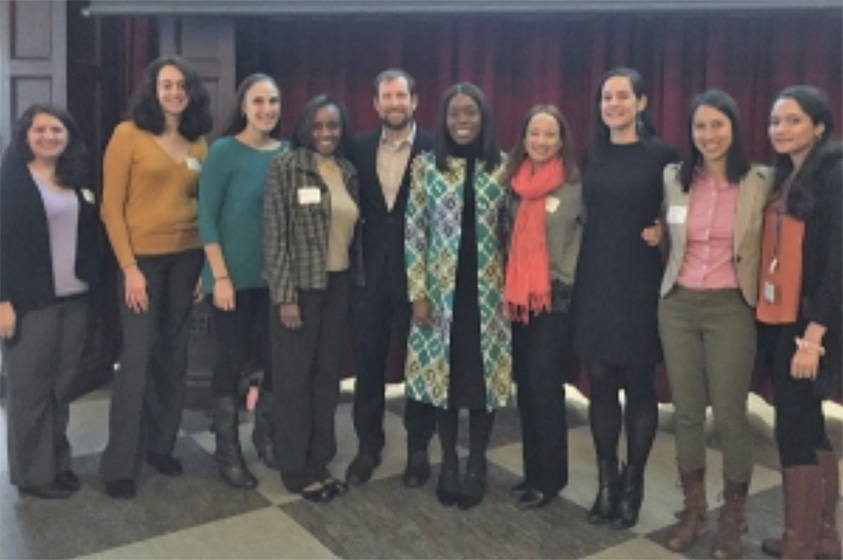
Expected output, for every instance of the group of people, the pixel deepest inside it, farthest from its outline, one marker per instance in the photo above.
(488, 267)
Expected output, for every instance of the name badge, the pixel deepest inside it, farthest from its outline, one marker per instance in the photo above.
(677, 214)
(769, 292)
(193, 164)
(551, 203)
(309, 195)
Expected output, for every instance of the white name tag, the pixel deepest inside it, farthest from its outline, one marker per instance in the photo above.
(677, 214)
(193, 164)
(309, 195)
(551, 203)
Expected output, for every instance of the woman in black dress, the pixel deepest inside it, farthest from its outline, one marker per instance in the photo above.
(616, 295)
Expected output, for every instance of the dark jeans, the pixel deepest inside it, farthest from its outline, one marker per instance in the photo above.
(147, 394)
(376, 319)
(799, 421)
(540, 351)
(236, 334)
(42, 363)
(306, 382)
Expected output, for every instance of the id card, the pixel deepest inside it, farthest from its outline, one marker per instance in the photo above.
(309, 195)
(551, 203)
(193, 164)
(677, 214)
(769, 292)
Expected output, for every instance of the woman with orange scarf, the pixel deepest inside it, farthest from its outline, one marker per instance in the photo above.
(543, 216)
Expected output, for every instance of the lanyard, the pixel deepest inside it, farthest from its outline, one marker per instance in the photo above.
(781, 209)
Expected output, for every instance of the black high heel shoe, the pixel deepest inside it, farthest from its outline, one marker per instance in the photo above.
(448, 488)
(534, 499)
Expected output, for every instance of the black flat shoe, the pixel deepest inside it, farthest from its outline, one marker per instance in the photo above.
(473, 487)
(336, 487)
(165, 464)
(448, 488)
(320, 495)
(519, 488)
(533, 499)
(361, 468)
(417, 472)
(46, 492)
(121, 489)
(68, 480)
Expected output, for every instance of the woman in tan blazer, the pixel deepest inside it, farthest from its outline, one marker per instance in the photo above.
(714, 204)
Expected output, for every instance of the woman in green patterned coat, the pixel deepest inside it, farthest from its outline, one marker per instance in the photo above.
(459, 353)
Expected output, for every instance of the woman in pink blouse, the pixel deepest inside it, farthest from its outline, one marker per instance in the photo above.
(714, 201)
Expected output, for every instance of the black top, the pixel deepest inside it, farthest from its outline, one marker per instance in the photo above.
(467, 385)
(617, 283)
(383, 229)
(26, 267)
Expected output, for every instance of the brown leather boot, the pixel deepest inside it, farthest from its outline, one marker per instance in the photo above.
(829, 541)
(692, 519)
(802, 488)
(731, 525)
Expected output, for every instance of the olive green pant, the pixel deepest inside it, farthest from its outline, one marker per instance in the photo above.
(709, 341)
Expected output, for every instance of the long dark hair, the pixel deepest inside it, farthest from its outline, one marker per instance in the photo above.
(600, 136)
(815, 103)
(519, 153)
(145, 108)
(303, 129)
(490, 153)
(72, 170)
(737, 162)
(237, 120)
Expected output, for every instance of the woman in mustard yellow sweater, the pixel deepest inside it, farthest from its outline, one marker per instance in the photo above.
(149, 209)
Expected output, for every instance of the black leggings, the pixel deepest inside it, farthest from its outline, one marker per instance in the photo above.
(479, 430)
(640, 418)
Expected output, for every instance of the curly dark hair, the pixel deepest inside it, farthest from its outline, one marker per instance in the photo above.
(737, 161)
(490, 152)
(303, 129)
(237, 120)
(816, 104)
(72, 169)
(145, 108)
(519, 153)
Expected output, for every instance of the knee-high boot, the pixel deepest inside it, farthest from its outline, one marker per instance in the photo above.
(262, 434)
(228, 453)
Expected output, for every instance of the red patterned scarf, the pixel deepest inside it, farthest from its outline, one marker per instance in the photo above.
(528, 268)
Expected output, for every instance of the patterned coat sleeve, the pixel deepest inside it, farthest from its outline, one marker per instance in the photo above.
(417, 227)
(277, 252)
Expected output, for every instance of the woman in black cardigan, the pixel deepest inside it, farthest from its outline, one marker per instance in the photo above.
(801, 289)
(48, 264)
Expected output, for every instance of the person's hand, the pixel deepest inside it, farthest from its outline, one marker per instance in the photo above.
(224, 294)
(8, 320)
(291, 315)
(806, 359)
(652, 235)
(135, 288)
(421, 313)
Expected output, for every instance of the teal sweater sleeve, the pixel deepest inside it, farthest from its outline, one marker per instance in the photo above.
(213, 182)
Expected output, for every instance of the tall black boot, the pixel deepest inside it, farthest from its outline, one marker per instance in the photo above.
(605, 507)
(448, 487)
(631, 496)
(262, 433)
(228, 454)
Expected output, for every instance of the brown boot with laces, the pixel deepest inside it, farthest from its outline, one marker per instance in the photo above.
(692, 519)
(731, 526)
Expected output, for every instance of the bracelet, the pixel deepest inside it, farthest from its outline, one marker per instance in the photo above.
(221, 278)
(809, 346)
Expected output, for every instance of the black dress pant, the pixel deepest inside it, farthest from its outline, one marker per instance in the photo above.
(799, 422)
(376, 319)
(541, 350)
(306, 382)
(43, 362)
(236, 333)
(147, 395)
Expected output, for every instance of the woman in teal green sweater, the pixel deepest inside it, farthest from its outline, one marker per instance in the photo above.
(230, 226)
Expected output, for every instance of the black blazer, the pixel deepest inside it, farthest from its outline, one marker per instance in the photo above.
(383, 229)
(26, 266)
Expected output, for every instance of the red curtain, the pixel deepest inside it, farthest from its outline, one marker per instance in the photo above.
(522, 60)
